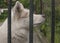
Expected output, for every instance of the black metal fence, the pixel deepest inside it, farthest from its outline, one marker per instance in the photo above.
(9, 20)
(31, 20)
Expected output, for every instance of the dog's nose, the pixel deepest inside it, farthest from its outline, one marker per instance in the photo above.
(43, 16)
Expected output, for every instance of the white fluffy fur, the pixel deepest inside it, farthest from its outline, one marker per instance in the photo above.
(20, 25)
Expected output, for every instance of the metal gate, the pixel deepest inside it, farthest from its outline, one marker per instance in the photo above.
(31, 20)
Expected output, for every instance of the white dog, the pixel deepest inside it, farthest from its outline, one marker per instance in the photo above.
(20, 25)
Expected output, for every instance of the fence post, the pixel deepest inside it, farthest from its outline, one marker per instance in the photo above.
(41, 7)
(31, 21)
(53, 22)
(9, 20)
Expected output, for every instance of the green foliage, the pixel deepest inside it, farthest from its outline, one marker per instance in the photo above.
(25, 3)
(3, 16)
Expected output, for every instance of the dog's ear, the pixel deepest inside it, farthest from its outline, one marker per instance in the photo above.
(17, 9)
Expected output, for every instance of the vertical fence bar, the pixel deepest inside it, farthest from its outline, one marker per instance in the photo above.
(0, 3)
(31, 21)
(41, 6)
(53, 22)
(9, 21)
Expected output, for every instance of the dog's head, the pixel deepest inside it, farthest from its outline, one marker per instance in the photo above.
(20, 15)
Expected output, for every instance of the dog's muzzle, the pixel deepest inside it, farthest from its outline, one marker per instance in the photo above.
(37, 24)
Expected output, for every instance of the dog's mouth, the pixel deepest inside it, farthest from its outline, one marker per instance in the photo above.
(37, 24)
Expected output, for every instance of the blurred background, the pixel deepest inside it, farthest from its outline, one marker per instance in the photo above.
(45, 28)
